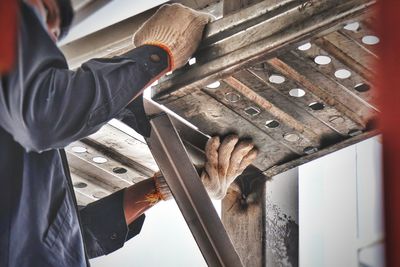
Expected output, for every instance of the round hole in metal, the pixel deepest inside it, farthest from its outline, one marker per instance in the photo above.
(99, 160)
(80, 185)
(316, 106)
(192, 61)
(370, 40)
(214, 85)
(277, 79)
(120, 170)
(353, 26)
(304, 47)
(309, 150)
(232, 97)
(297, 92)
(322, 60)
(99, 194)
(78, 149)
(138, 179)
(291, 137)
(342, 74)
(354, 132)
(362, 87)
(272, 124)
(252, 111)
(336, 119)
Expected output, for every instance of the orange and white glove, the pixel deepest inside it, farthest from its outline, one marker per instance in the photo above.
(175, 28)
(224, 162)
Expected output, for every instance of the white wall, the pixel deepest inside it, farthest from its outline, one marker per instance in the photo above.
(165, 240)
(340, 208)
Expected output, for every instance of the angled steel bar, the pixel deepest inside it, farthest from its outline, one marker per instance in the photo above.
(190, 195)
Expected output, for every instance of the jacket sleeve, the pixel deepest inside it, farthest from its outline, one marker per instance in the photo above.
(44, 105)
(103, 225)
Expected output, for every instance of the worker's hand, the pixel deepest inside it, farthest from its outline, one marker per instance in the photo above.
(175, 28)
(224, 162)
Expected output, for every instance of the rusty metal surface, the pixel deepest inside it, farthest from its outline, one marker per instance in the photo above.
(259, 67)
(254, 54)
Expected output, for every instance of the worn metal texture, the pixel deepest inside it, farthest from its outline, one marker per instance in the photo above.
(295, 76)
(271, 86)
(190, 195)
(108, 161)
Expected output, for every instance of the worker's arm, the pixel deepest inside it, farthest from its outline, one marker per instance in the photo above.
(109, 222)
(44, 105)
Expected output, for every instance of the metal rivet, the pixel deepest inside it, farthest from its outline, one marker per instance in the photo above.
(120, 170)
(232, 97)
(155, 58)
(80, 185)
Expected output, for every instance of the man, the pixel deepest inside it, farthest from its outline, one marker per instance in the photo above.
(44, 107)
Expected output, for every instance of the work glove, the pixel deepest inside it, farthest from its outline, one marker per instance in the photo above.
(175, 28)
(224, 162)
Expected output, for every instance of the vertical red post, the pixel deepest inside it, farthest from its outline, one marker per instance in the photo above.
(8, 31)
(389, 90)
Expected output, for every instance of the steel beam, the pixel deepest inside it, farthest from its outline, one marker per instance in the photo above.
(242, 39)
(113, 40)
(190, 195)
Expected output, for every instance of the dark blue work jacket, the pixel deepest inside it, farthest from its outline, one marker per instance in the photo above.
(44, 107)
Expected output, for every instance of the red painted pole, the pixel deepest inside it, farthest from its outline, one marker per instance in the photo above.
(8, 31)
(389, 90)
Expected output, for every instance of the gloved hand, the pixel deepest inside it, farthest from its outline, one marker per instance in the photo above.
(175, 28)
(224, 162)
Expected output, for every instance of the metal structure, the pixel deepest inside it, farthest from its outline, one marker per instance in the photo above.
(189, 193)
(296, 76)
